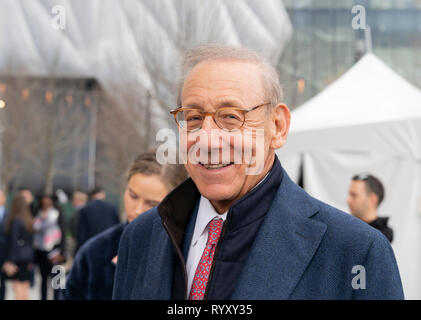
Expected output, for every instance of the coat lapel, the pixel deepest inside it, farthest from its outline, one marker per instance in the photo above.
(160, 262)
(283, 248)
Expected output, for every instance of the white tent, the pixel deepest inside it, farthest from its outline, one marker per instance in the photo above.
(369, 120)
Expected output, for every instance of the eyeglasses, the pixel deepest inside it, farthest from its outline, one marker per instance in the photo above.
(226, 118)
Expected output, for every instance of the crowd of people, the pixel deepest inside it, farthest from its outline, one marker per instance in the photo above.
(35, 235)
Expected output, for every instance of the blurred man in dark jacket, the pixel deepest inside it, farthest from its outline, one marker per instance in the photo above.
(79, 200)
(366, 193)
(95, 217)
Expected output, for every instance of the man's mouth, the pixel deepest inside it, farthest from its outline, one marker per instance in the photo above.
(216, 166)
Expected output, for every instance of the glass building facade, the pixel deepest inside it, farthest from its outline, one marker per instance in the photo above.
(329, 37)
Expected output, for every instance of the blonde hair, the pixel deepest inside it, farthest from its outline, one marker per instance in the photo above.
(170, 174)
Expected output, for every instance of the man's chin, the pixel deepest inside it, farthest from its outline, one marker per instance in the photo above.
(216, 192)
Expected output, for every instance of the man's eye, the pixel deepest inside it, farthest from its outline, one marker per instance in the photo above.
(133, 196)
(230, 116)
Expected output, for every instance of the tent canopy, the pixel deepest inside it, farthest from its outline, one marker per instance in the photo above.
(369, 109)
(370, 92)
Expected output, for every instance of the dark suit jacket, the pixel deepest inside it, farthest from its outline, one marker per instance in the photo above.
(304, 249)
(94, 218)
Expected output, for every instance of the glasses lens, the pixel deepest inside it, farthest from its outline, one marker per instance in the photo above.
(229, 119)
(190, 119)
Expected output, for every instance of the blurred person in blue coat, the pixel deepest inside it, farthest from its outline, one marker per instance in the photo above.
(3, 242)
(92, 274)
(20, 254)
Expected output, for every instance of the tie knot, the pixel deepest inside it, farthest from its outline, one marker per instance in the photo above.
(215, 228)
(215, 225)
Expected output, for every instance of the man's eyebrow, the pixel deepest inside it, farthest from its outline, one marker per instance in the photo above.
(192, 105)
(229, 103)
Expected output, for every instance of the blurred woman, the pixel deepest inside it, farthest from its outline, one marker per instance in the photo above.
(48, 238)
(21, 254)
(92, 274)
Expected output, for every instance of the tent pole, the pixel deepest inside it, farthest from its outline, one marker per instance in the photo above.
(368, 40)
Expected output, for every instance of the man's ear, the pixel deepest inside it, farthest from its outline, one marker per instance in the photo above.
(281, 118)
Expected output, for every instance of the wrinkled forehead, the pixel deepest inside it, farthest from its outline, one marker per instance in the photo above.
(224, 78)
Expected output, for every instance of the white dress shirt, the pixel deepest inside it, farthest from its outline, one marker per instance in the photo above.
(205, 214)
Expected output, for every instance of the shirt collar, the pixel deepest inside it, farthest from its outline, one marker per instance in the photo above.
(206, 213)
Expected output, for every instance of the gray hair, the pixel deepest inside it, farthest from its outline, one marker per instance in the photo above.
(211, 52)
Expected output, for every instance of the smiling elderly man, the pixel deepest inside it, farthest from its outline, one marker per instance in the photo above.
(226, 233)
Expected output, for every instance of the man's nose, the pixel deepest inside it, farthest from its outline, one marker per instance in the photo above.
(209, 123)
(211, 134)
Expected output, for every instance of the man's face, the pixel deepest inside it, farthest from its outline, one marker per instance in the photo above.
(215, 84)
(358, 199)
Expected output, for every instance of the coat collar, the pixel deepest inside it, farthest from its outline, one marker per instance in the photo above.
(177, 207)
(284, 246)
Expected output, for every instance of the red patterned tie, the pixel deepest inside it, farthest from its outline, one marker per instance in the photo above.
(201, 276)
